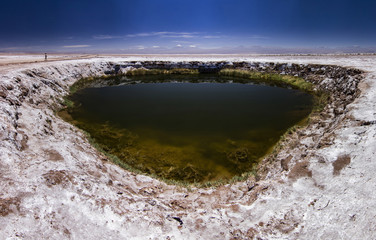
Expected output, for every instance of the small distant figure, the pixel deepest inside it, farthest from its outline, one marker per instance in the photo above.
(45, 56)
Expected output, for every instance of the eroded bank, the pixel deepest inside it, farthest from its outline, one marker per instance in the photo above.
(51, 171)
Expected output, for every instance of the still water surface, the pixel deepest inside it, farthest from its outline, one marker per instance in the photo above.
(198, 131)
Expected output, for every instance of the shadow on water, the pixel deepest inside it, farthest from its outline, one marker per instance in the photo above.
(192, 128)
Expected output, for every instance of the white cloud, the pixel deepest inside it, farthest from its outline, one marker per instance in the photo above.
(211, 36)
(76, 46)
(179, 45)
(156, 46)
(165, 34)
(179, 36)
(138, 35)
(102, 37)
(258, 37)
(192, 46)
(11, 48)
(183, 42)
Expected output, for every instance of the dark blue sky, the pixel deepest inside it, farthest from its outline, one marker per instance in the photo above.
(185, 26)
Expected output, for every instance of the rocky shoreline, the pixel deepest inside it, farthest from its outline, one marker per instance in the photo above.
(56, 184)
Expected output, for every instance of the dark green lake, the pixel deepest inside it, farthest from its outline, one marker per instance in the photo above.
(209, 129)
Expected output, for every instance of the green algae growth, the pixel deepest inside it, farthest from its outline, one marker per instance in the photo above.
(191, 128)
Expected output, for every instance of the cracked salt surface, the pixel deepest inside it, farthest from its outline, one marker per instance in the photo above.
(55, 185)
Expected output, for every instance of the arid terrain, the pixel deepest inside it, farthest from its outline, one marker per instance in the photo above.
(55, 185)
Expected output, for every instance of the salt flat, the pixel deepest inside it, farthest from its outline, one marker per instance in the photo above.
(54, 184)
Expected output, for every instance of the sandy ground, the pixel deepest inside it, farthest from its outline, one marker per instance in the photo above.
(9, 62)
(55, 185)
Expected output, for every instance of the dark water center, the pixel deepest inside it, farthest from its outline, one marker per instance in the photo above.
(192, 128)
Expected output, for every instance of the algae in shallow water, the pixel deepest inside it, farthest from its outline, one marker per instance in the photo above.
(195, 132)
